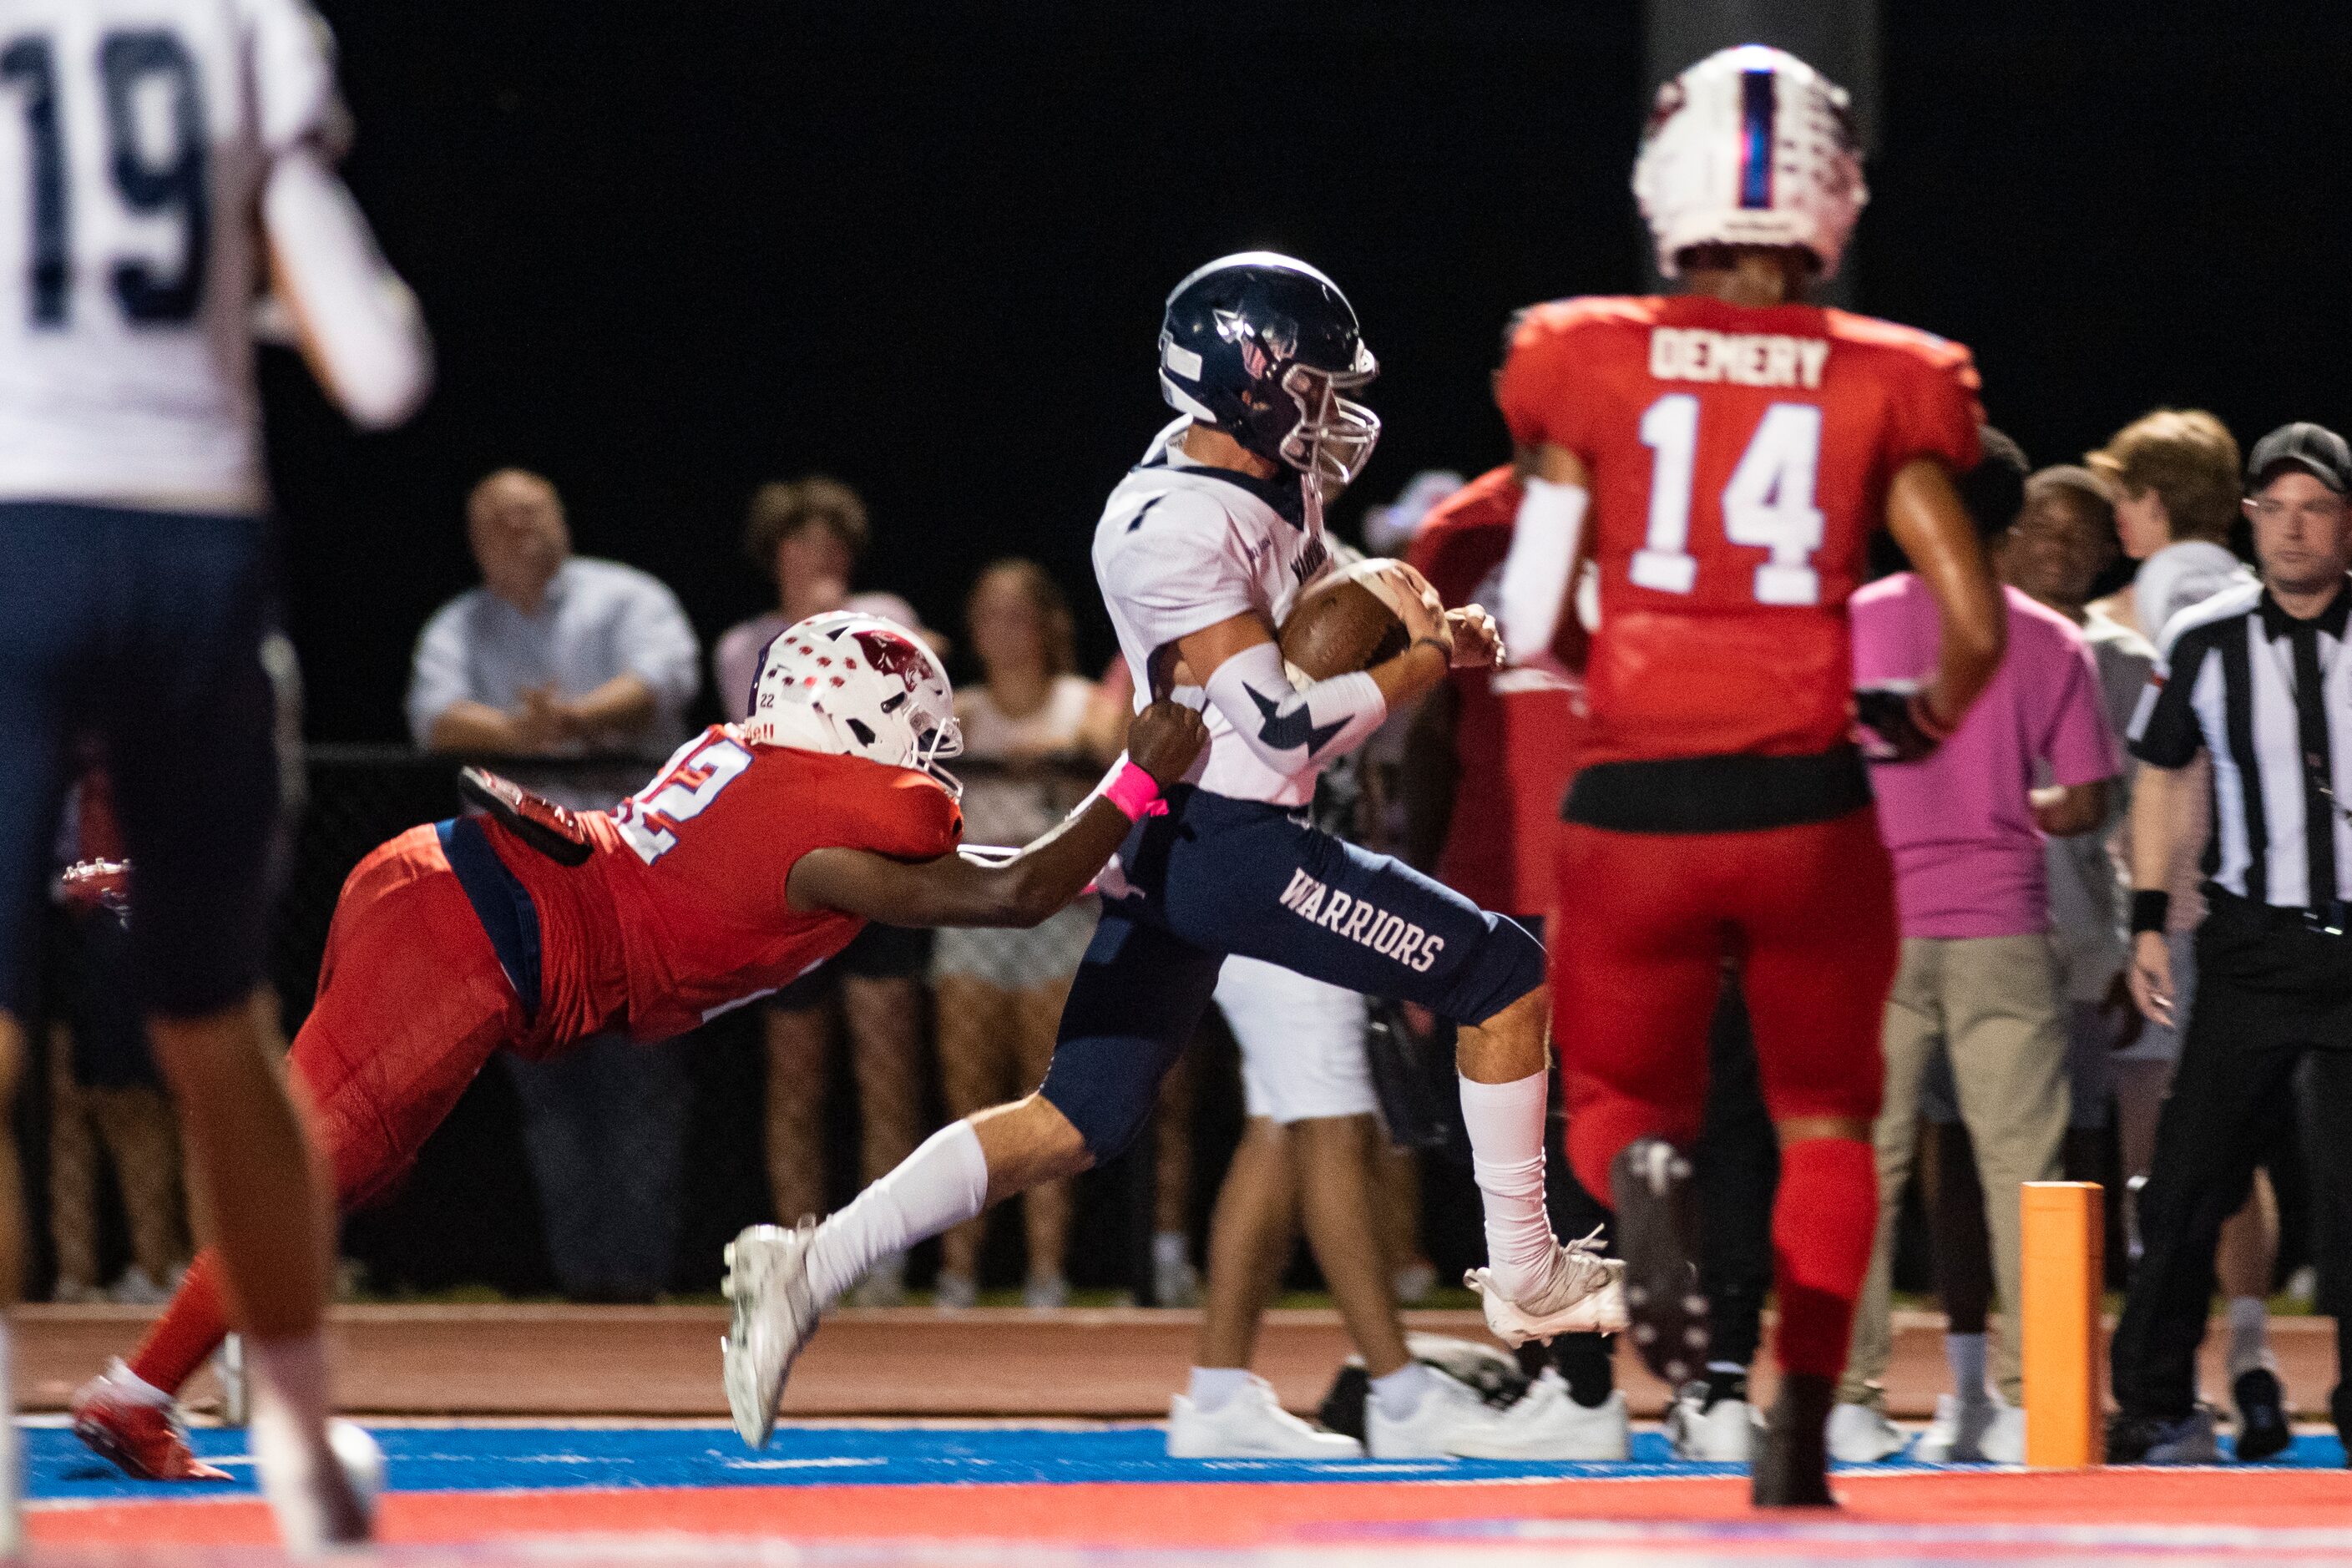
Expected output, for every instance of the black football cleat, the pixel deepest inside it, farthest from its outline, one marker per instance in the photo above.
(2263, 1429)
(1657, 1233)
(1791, 1469)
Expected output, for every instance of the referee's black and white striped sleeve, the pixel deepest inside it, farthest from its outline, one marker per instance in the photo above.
(2165, 731)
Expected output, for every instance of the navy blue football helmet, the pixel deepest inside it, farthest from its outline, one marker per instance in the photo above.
(1261, 346)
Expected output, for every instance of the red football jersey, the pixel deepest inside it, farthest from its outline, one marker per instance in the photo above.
(681, 911)
(1515, 728)
(1739, 460)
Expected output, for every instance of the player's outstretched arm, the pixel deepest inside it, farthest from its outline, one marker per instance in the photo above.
(360, 327)
(1041, 878)
(1932, 524)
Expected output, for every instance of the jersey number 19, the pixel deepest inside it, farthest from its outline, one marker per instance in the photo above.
(137, 68)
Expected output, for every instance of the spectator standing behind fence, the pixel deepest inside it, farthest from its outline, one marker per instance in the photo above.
(1977, 978)
(806, 537)
(2061, 542)
(559, 656)
(1000, 992)
(2256, 678)
(2178, 494)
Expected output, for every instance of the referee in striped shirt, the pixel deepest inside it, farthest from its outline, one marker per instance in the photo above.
(2256, 676)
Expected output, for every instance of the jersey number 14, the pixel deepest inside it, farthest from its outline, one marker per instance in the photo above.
(131, 65)
(1767, 504)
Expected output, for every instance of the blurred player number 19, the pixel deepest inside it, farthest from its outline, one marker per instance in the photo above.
(128, 62)
(679, 792)
(1769, 502)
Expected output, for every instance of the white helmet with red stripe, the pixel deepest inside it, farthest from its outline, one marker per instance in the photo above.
(1751, 146)
(856, 686)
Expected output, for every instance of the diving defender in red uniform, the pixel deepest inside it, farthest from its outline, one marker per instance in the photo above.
(757, 852)
(1725, 455)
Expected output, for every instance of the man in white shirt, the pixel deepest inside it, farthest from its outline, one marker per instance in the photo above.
(151, 152)
(561, 655)
(555, 654)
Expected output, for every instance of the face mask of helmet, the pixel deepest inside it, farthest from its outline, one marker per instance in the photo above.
(1334, 437)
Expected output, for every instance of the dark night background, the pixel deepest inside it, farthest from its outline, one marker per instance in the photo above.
(670, 251)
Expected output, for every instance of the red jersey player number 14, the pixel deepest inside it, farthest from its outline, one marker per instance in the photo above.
(1738, 459)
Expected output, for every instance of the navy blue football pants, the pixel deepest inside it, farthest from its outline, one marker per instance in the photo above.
(141, 630)
(1218, 876)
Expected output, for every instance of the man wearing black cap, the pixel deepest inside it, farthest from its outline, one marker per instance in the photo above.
(2255, 676)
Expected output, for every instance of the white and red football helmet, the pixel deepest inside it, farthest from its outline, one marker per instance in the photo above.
(1751, 146)
(856, 686)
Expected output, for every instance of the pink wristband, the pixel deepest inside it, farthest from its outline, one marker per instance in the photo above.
(1134, 792)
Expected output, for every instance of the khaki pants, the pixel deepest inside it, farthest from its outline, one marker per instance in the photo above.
(1992, 1004)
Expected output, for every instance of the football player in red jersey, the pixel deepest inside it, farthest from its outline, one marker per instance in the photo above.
(1724, 455)
(758, 852)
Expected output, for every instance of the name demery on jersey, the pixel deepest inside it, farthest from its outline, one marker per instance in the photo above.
(1364, 923)
(1743, 359)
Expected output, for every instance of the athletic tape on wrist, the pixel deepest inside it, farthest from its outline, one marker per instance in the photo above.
(1135, 792)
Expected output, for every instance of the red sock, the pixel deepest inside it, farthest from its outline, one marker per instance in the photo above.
(1822, 1221)
(190, 1330)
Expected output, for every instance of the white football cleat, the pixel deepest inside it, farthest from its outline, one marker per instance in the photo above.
(319, 1511)
(2003, 1442)
(775, 1313)
(1251, 1425)
(1585, 1295)
(1723, 1433)
(1451, 1415)
(362, 1462)
(1547, 1423)
(1956, 1436)
(1862, 1434)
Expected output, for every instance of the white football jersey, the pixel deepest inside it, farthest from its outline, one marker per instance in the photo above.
(136, 136)
(1182, 547)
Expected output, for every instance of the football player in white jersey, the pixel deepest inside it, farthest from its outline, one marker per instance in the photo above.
(152, 153)
(1200, 552)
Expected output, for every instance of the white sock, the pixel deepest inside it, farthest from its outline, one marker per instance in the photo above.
(1965, 1354)
(2250, 1344)
(1214, 1387)
(1506, 1157)
(288, 1440)
(934, 1189)
(1399, 1394)
(1170, 1247)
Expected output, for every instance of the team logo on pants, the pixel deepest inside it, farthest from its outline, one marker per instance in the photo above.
(1390, 936)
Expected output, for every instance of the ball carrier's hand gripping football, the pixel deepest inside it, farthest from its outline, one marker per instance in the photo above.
(550, 829)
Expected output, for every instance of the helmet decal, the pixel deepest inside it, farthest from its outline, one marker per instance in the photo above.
(893, 654)
(1756, 105)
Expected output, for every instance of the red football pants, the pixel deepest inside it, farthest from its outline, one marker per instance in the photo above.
(412, 1004)
(1645, 922)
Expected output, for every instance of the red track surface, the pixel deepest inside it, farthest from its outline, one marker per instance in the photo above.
(1230, 1515)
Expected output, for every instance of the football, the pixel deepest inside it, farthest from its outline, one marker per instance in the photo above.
(1348, 621)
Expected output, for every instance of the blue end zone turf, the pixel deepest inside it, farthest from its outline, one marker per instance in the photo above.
(548, 1458)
